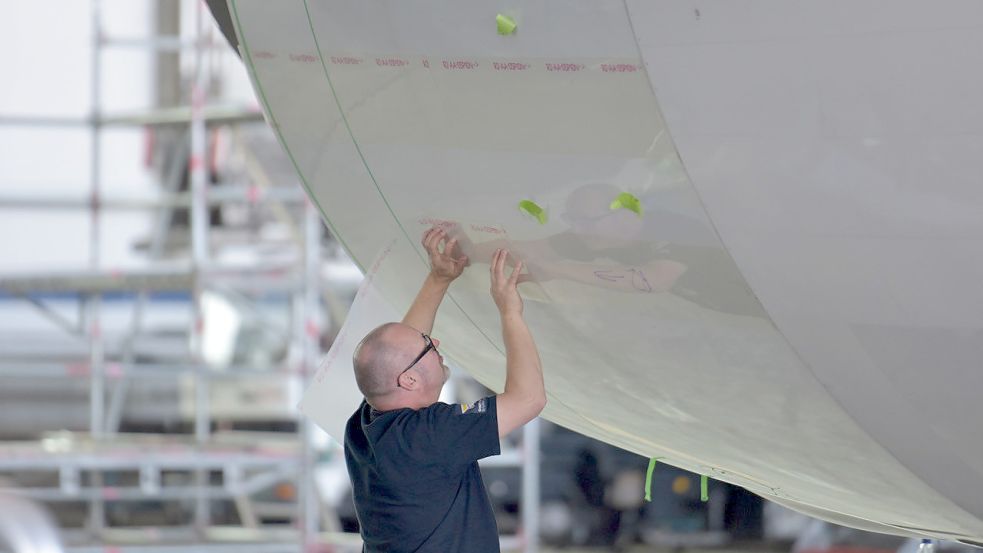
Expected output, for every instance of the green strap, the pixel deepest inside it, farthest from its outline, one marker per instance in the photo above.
(648, 479)
(531, 208)
(506, 25)
(704, 494)
(627, 201)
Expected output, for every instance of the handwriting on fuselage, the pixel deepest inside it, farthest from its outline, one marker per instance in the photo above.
(630, 275)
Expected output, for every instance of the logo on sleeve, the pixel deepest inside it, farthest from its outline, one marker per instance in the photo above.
(479, 406)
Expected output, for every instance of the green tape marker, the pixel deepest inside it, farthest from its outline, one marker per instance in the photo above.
(506, 25)
(531, 208)
(627, 201)
(648, 479)
(704, 493)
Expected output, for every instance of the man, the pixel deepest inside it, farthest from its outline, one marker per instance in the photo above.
(412, 459)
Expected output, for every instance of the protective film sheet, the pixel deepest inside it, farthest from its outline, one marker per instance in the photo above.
(332, 396)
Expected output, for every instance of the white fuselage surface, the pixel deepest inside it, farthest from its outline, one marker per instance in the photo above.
(794, 306)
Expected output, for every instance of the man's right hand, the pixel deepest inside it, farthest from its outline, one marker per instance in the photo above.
(524, 396)
(504, 289)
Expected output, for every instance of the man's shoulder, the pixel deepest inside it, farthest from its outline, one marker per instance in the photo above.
(478, 407)
(483, 405)
(425, 420)
(374, 424)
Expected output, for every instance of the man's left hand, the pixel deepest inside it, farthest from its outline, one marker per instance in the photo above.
(443, 264)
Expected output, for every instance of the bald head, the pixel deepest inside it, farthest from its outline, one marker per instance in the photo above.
(384, 354)
(376, 361)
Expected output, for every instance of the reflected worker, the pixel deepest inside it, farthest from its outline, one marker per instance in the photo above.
(412, 459)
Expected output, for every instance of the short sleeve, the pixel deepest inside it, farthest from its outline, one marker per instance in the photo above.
(454, 434)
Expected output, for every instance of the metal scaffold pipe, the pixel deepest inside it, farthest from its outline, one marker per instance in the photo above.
(197, 168)
(310, 336)
(97, 379)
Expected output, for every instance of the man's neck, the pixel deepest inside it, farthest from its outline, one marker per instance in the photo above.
(393, 404)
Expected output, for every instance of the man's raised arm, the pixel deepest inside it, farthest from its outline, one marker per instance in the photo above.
(443, 270)
(525, 395)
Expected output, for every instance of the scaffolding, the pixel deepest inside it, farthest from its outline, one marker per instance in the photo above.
(103, 467)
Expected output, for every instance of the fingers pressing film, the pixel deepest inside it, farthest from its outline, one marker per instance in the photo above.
(440, 249)
(498, 262)
(436, 237)
(432, 238)
(514, 279)
(497, 268)
(503, 289)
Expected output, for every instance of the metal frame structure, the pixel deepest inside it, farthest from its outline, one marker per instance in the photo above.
(79, 467)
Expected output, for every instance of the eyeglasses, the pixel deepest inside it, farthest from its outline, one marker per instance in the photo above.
(426, 350)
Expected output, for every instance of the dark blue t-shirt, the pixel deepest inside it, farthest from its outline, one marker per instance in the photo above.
(415, 477)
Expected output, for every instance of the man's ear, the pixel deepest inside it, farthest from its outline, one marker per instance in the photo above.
(409, 380)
